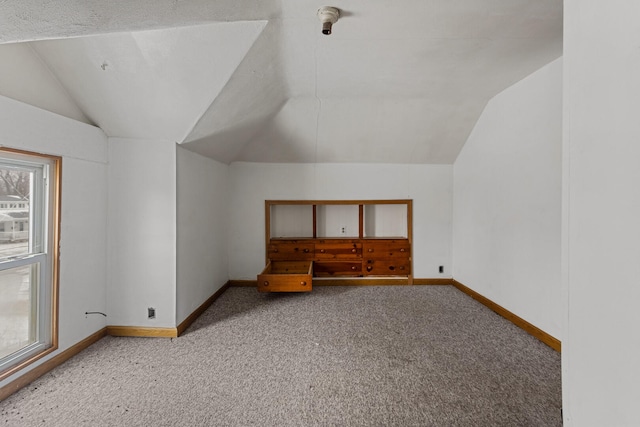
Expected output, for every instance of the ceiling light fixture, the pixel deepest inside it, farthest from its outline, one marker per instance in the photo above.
(328, 16)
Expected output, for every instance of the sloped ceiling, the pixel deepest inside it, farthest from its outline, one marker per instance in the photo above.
(257, 81)
(23, 76)
(149, 84)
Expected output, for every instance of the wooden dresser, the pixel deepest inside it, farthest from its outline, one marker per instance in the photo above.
(292, 262)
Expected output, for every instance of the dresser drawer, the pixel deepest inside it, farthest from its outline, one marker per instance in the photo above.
(286, 276)
(337, 268)
(338, 251)
(387, 267)
(386, 249)
(291, 251)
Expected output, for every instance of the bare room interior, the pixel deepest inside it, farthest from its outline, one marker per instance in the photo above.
(173, 132)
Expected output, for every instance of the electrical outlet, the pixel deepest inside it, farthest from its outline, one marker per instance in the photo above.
(151, 312)
(343, 230)
(441, 269)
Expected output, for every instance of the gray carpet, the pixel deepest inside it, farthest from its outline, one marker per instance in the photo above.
(339, 356)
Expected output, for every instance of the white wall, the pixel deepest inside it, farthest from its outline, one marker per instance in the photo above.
(507, 201)
(430, 187)
(84, 211)
(142, 232)
(202, 218)
(601, 256)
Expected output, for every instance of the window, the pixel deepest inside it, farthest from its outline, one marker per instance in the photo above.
(29, 216)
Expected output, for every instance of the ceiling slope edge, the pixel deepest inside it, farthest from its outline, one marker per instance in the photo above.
(254, 94)
(150, 84)
(241, 70)
(25, 77)
(240, 57)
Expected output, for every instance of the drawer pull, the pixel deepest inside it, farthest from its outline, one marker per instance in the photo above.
(321, 251)
(353, 267)
(369, 268)
(402, 250)
(401, 268)
(303, 283)
(354, 250)
(391, 267)
(370, 250)
(266, 283)
(306, 251)
(275, 250)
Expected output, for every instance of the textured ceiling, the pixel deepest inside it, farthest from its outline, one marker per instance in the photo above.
(257, 81)
(149, 84)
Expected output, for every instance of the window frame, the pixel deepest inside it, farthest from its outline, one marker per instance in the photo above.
(51, 253)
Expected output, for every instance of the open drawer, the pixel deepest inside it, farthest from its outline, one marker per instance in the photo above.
(286, 276)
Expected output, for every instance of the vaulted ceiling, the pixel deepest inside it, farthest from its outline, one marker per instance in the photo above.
(396, 82)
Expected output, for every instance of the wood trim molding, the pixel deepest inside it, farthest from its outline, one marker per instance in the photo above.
(434, 281)
(47, 366)
(267, 229)
(410, 237)
(198, 311)
(57, 227)
(18, 367)
(141, 331)
(55, 201)
(533, 330)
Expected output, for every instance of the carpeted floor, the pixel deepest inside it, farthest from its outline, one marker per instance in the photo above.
(339, 356)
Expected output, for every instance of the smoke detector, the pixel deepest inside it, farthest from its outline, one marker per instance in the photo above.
(328, 16)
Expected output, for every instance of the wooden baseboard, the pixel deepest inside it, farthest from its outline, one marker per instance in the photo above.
(436, 281)
(533, 330)
(141, 331)
(47, 366)
(198, 311)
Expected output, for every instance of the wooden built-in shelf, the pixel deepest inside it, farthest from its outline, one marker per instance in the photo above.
(325, 252)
